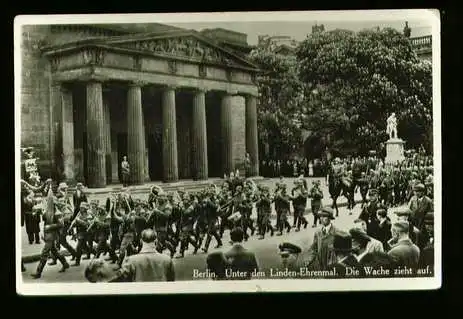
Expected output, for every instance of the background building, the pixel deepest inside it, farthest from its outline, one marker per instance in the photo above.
(180, 104)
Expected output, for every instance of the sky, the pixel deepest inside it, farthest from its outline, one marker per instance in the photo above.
(299, 30)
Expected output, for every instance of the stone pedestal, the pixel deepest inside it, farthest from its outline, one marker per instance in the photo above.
(394, 151)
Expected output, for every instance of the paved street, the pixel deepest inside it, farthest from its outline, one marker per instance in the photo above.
(266, 251)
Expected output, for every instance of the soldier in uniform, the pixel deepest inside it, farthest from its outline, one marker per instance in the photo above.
(125, 171)
(139, 223)
(299, 198)
(66, 215)
(289, 254)
(127, 233)
(160, 218)
(52, 224)
(264, 209)
(102, 227)
(115, 217)
(315, 196)
(83, 221)
(368, 213)
(249, 198)
(282, 206)
(210, 209)
(188, 219)
(386, 188)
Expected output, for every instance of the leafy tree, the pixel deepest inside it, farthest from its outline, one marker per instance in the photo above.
(280, 100)
(354, 81)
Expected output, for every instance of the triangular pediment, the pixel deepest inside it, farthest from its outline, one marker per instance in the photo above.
(187, 45)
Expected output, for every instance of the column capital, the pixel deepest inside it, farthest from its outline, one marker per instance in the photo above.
(137, 84)
(250, 95)
(232, 92)
(170, 87)
(200, 90)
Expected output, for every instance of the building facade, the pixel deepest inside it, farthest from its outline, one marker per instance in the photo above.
(180, 104)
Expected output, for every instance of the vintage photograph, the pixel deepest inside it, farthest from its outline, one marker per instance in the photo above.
(253, 151)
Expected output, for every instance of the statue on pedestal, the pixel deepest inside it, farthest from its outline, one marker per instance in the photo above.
(391, 127)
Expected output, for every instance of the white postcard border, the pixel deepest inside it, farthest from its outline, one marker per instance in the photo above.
(269, 285)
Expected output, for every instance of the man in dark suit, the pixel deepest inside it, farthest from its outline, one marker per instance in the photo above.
(368, 213)
(384, 227)
(241, 262)
(419, 204)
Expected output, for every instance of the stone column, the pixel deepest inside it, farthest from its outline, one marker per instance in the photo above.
(96, 165)
(169, 136)
(199, 136)
(67, 113)
(135, 141)
(227, 132)
(107, 128)
(251, 134)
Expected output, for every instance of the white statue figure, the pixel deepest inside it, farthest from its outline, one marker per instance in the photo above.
(391, 128)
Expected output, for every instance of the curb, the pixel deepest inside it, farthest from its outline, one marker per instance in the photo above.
(36, 257)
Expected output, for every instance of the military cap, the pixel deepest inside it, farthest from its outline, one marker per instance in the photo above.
(326, 212)
(37, 207)
(289, 248)
(419, 187)
(429, 218)
(79, 184)
(359, 234)
(373, 191)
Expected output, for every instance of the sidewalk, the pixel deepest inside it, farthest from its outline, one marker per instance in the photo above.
(31, 253)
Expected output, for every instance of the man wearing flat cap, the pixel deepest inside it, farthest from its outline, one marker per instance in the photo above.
(360, 241)
(320, 253)
(420, 205)
(427, 253)
(403, 250)
(342, 247)
(289, 254)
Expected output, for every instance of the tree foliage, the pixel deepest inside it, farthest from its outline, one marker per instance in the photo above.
(280, 100)
(354, 81)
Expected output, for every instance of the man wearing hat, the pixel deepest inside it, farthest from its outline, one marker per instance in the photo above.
(342, 247)
(427, 253)
(62, 233)
(373, 244)
(82, 222)
(403, 250)
(320, 253)
(289, 254)
(316, 196)
(420, 205)
(368, 213)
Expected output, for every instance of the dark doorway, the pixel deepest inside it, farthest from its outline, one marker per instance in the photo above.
(121, 150)
(214, 154)
(155, 156)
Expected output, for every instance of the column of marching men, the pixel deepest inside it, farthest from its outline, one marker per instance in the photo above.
(182, 219)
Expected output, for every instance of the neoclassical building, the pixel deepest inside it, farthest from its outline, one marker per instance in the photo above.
(180, 104)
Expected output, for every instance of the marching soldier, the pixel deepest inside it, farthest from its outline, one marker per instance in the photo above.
(187, 226)
(246, 211)
(363, 183)
(127, 235)
(66, 215)
(282, 207)
(139, 223)
(299, 198)
(82, 222)
(160, 217)
(115, 213)
(316, 196)
(52, 224)
(211, 210)
(264, 209)
(101, 225)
